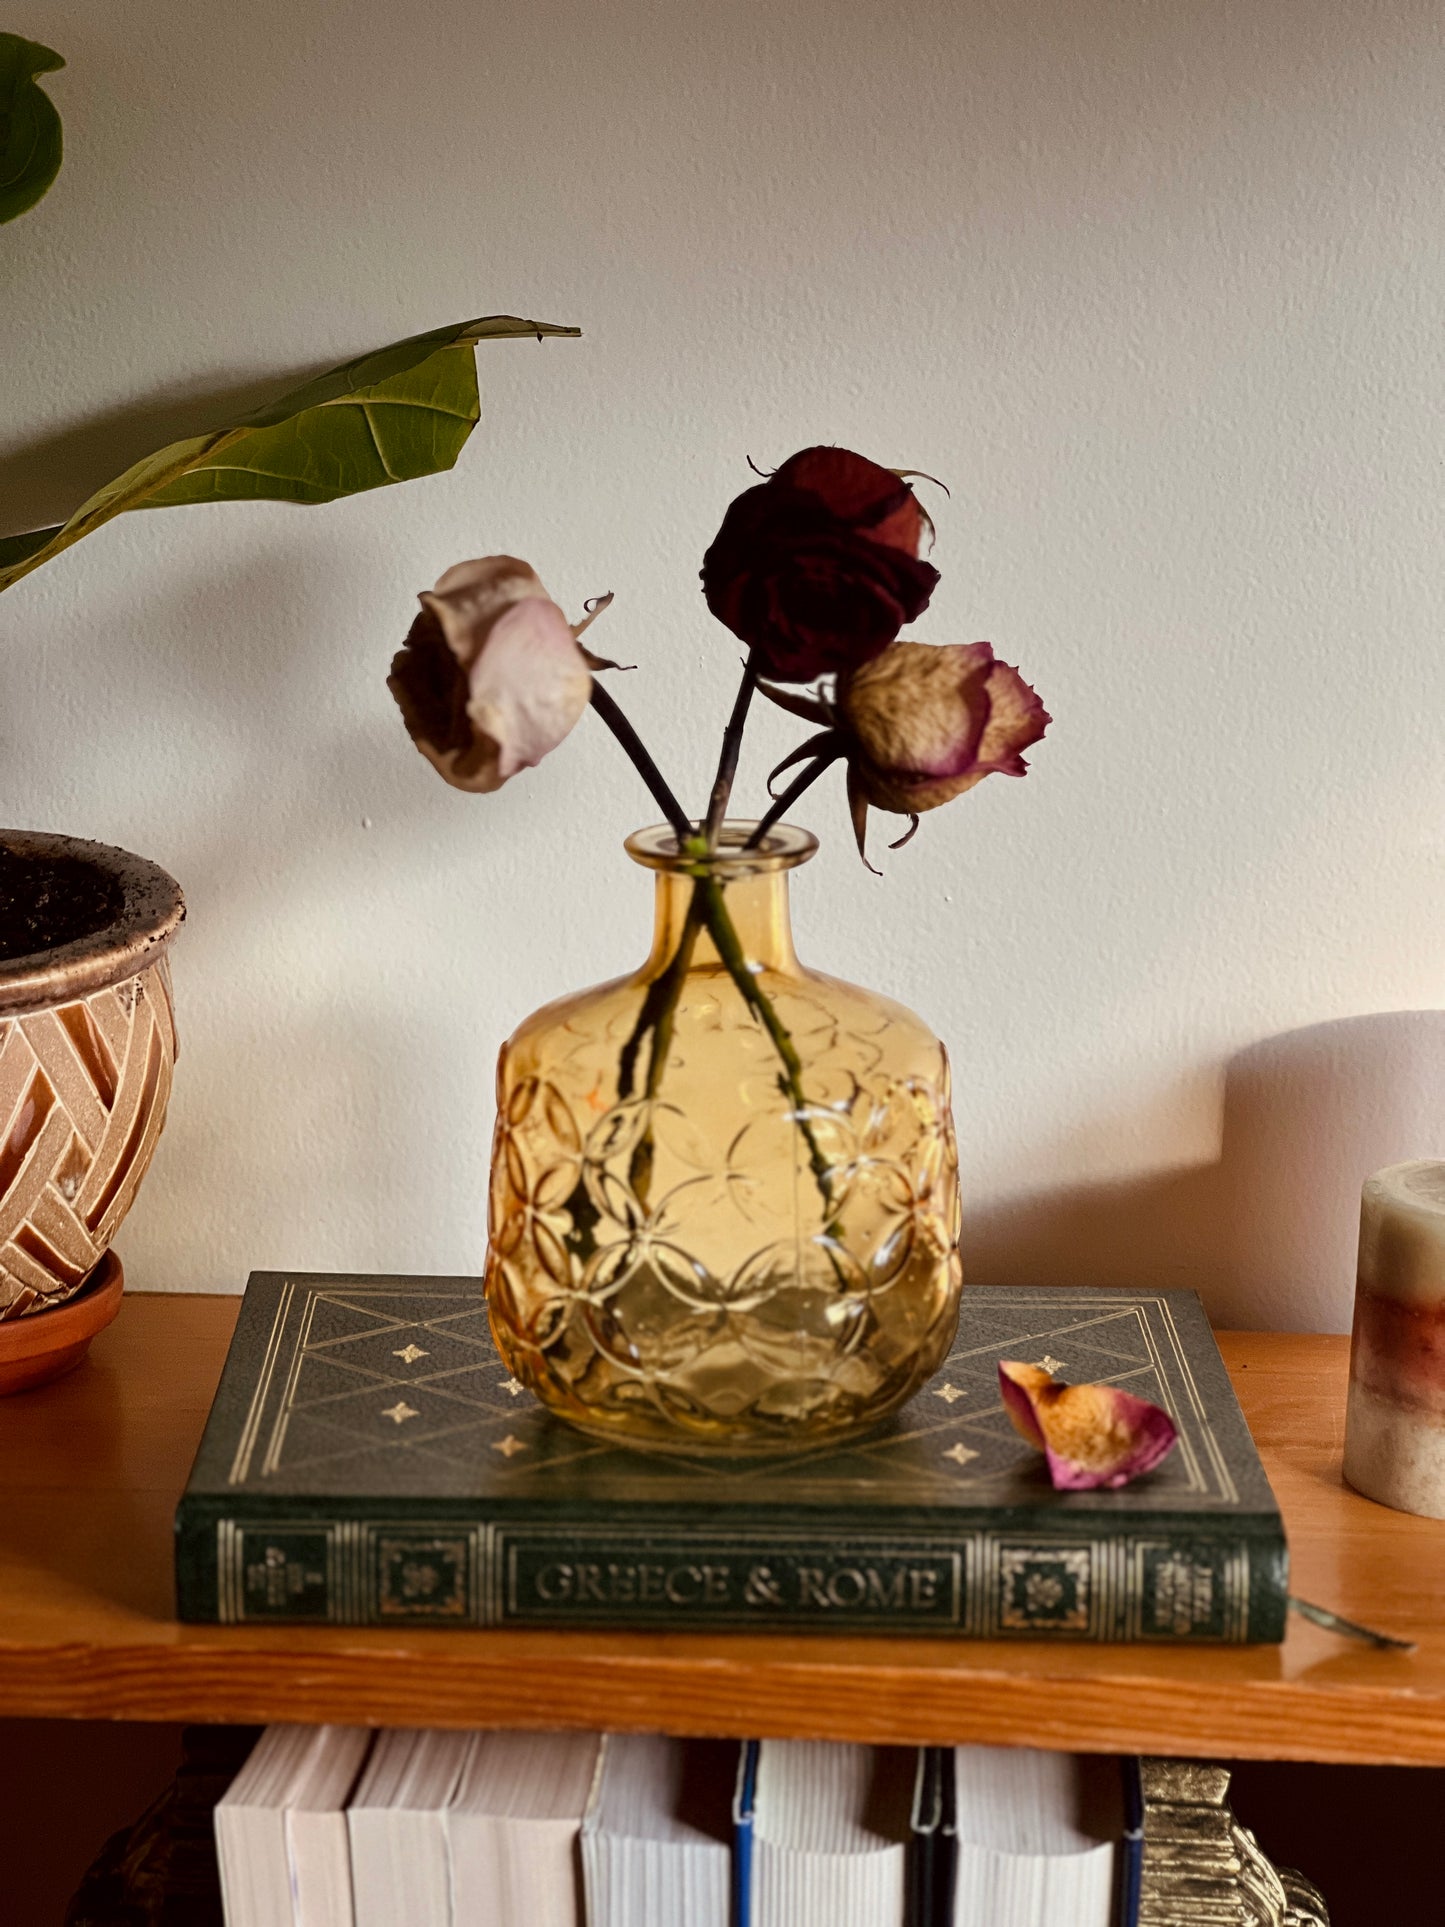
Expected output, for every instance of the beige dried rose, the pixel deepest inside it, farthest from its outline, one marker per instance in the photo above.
(491, 676)
(930, 721)
(918, 725)
(923, 722)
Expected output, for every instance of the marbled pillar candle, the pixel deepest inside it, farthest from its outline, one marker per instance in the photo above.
(1395, 1421)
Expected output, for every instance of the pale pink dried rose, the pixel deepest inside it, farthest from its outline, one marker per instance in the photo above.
(1091, 1435)
(491, 676)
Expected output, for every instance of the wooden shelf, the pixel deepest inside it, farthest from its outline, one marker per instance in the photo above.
(90, 1469)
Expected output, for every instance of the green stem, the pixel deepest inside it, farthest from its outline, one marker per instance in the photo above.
(720, 928)
(659, 1015)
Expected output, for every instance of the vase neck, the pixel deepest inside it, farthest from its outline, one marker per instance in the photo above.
(760, 912)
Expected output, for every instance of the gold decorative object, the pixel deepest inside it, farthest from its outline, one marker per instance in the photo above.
(747, 1242)
(87, 1046)
(1201, 1868)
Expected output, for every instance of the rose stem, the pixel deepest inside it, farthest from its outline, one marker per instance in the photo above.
(632, 743)
(720, 929)
(727, 767)
(659, 1007)
(715, 913)
(804, 780)
(659, 1015)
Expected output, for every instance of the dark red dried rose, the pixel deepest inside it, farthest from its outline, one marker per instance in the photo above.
(817, 568)
(870, 498)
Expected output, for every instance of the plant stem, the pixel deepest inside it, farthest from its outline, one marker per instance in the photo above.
(727, 767)
(720, 928)
(707, 909)
(802, 781)
(642, 762)
(659, 1015)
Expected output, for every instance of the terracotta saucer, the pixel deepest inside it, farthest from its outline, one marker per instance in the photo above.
(41, 1346)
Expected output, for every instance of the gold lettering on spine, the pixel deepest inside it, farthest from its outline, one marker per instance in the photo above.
(923, 1589)
(905, 1584)
(554, 1583)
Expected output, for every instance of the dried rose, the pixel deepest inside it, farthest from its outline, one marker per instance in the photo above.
(817, 568)
(923, 723)
(491, 676)
(1092, 1435)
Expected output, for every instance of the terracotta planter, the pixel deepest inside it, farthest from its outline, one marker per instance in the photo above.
(35, 1350)
(87, 1045)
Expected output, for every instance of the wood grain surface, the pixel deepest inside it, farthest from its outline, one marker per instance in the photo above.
(91, 1467)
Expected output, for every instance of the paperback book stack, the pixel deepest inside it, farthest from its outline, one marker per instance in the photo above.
(341, 1827)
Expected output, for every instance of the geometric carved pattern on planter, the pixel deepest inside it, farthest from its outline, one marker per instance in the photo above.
(83, 1093)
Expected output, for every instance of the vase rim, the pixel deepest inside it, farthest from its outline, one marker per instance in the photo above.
(149, 909)
(783, 847)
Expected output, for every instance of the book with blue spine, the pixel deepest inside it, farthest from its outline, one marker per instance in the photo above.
(370, 1459)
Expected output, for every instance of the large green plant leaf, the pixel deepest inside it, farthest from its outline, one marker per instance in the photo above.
(404, 411)
(30, 137)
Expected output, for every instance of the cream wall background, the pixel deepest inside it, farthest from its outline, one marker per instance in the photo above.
(1157, 288)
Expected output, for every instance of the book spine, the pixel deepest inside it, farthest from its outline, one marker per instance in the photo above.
(1131, 1847)
(1149, 1582)
(744, 1802)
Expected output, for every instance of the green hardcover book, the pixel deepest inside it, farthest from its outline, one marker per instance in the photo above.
(370, 1460)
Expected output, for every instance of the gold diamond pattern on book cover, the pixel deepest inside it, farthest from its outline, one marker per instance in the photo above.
(392, 1390)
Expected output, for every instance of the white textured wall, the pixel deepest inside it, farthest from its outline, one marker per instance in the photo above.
(1158, 286)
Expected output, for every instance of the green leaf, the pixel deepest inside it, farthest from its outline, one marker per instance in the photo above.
(404, 411)
(30, 136)
(15, 548)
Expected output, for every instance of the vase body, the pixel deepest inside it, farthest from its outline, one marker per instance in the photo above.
(746, 1241)
(87, 1047)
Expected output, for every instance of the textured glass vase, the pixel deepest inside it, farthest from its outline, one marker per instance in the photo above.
(743, 1243)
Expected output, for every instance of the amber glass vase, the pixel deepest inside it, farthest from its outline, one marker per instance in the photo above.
(724, 1203)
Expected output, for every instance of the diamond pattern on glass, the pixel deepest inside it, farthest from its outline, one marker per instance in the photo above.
(676, 1267)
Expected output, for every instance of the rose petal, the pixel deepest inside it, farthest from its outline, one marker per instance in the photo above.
(1092, 1435)
(491, 676)
(1016, 721)
(870, 497)
(1014, 1385)
(430, 687)
(471, 595)
(528, 687)
(817, 568)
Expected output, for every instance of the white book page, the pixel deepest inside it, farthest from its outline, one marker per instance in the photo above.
(317, 1840)
(656, 1843)
(400, 1860)
(1037, 1838)
(513, 1828)
(287, 1764)
(830, 1834)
